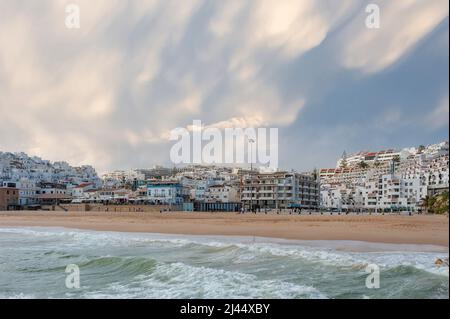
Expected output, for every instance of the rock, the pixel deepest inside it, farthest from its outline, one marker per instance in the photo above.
(441, 262)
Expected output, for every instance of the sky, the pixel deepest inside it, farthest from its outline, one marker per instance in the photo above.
(108, 93)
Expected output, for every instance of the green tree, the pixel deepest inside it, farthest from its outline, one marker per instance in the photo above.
(437, 204)
(426, 204)
(344, 160)
(363, 165)
(315, 174)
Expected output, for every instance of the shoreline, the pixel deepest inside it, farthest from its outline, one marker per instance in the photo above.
(355, 246)
(412, 230)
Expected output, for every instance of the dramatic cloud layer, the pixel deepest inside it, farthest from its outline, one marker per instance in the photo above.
(109, 93)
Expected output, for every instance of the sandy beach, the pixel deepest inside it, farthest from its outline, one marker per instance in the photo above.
(429, 230)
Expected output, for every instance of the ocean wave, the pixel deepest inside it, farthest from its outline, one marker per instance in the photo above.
(119, 266)
(178, 280)
(237, 251)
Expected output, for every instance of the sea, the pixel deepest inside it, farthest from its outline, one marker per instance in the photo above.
(38, 262)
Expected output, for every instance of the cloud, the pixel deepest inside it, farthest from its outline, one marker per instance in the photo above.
(438, 118)
(403, 23)
(290, 26)
(108, 93)
(66, 84)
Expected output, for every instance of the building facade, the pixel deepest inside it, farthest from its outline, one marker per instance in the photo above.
(9, 198)
(399, 185)
(222, 194)
(279, 190)
(165, 193)
(28, 191)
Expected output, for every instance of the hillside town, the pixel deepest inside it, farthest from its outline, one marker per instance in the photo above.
(375, 181)
(389, 180)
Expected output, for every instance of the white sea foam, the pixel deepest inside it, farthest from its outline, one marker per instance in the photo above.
(253, 250)
(178, 280)
(17, 296)
(142, 265)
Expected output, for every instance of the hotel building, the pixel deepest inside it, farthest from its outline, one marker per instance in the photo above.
(279, 190)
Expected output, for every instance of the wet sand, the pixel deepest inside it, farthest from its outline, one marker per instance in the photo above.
(418, 229)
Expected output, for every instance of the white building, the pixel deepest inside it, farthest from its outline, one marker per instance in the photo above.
(279, 190)
(368, 158)
(387, 185)
(79, 190)
(27, 191)
(222, 194)
(394, 193)
(19, 167)
(120, 178)
(165, 192)
(198, 190)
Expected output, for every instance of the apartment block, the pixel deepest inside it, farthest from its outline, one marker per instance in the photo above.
(165, 192)
(279, 190)
(222, 194)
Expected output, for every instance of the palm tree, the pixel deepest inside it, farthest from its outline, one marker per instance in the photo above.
(427, 203)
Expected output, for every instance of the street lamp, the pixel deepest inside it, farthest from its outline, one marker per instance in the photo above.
(251, 141)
